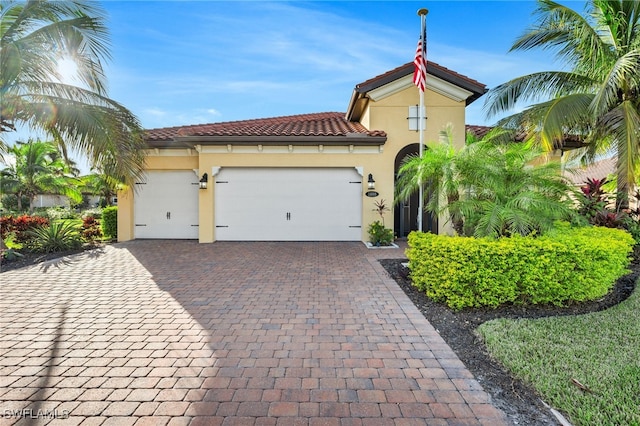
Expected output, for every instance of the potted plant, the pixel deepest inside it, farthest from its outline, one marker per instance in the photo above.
(379, 235)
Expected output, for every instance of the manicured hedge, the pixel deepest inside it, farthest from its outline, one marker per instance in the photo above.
(569, 264)
(110, 222)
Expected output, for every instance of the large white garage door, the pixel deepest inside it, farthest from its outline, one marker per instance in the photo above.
(166, 205)
(288, 204)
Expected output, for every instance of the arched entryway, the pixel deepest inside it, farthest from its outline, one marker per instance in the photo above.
(406, 212)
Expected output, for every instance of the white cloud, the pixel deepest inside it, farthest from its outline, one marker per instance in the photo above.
(155, 112)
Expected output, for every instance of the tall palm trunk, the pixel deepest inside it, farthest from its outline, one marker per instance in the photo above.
(456, 221)
(622, 190)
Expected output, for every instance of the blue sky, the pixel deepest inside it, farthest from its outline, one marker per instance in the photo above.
(189, 62)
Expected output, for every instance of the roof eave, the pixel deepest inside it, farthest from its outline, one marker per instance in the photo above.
(435, 70)
(192, 141)
(357, 105)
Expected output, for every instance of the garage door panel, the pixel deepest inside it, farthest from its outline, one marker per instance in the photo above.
(166, 205)
(288, 204)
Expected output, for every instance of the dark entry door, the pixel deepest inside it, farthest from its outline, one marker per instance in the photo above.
(406, 218)
(406, 212)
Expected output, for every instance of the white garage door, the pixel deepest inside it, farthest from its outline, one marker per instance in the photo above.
(166, 205)
(288, 204)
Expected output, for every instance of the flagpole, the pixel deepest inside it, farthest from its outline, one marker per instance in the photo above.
(422, 13)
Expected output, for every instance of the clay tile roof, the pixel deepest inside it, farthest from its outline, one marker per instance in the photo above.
(478, 131)
(478, 89)
(568, 141)
(317, 124)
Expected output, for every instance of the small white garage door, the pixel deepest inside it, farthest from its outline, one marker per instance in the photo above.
(166, 205)
(288, 204)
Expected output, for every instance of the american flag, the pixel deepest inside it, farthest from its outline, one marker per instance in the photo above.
(420, 66)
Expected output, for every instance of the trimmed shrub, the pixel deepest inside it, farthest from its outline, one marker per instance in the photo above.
(110, 222)
(564, 266)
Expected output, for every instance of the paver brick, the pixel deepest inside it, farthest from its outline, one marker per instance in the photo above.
(283, 409)
(90, 408)
(153, 421)
(120, 408)
(171, 408)
(359, 409)
(142, 395)
(253, 409)
(120, 421)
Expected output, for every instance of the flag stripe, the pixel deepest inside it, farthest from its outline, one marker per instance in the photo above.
(420, 66)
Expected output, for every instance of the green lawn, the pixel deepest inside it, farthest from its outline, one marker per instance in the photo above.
(600, 350)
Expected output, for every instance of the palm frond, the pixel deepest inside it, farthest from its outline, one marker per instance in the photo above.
(534, 87)
(622, 124)
(98, 126)
(547, 124)
(621, 81)
(620, 20)
(34, 36)
(566, 32)
(32, 50)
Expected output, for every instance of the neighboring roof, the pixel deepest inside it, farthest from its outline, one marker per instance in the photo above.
(323, 127)
(478, 131)
(598, 170)
(569, 141)
(478, 89)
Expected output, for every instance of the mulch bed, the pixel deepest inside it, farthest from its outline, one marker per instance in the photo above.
(29, 259)
(519, 402)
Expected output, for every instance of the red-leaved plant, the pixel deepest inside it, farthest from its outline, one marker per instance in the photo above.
(20, 225)
(91, 229)
(595, 205)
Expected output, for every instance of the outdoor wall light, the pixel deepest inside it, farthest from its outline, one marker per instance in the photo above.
(371, 182)
(203, 181)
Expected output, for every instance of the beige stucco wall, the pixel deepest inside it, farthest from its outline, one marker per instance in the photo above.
(388, 114)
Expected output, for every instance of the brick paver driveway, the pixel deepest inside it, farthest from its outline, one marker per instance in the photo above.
(174, 332)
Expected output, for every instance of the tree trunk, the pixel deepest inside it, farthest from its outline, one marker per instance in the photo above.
(456, 222)
(622, 190)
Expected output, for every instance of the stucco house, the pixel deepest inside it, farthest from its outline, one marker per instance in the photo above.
(302, 177)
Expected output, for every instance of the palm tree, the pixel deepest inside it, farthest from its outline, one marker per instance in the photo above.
(37, 168)
(509, 190)
(102, 185)
(598, 98)
(437, 174)
(493, 187)
(35, 36)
